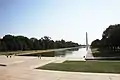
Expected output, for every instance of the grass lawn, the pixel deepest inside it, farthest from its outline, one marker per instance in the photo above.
(23, 52)
(88, 66)
(14, 52)
(32, 52)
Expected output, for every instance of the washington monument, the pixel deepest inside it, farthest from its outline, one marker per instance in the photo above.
(87, 45)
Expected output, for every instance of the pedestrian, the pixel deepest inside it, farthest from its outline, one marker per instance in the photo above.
(84, 57)
(40, 56)
(7, 56)
(10, 56)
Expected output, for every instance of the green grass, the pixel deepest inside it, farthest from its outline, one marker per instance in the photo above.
(34, 52)
(13, 52)
(88, 66)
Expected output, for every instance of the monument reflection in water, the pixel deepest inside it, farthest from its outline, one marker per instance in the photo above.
(72, 54)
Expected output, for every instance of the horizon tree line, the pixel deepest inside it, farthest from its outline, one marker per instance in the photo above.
(15, 43)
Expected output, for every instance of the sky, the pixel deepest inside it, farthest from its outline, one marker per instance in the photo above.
(59, 19)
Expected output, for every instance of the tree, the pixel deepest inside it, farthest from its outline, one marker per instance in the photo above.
(35, 44)
(3, 46)
(10, 42)
(95, 43)
(110, 38)
(14, 43)
(45, 42)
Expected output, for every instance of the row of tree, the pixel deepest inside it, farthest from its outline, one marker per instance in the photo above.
(14, 43)
(110, 38)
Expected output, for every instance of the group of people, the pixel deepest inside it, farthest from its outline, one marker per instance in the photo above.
(8, 56)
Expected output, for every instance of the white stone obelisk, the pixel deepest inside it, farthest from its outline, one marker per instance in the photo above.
(87, 45)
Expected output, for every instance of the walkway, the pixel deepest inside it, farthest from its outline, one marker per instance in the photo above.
(22, 68)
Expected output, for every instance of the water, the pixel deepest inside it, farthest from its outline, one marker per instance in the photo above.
(77, 53)
(72, 54)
